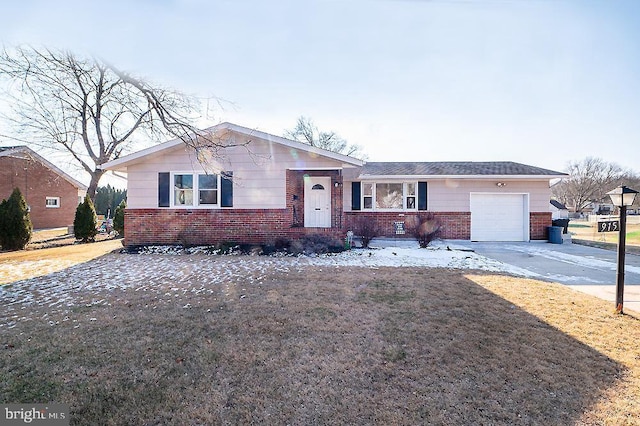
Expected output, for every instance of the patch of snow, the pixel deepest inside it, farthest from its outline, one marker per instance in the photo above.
(568, 279)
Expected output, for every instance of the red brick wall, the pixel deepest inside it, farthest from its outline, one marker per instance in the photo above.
(213, 226)
(538, 222)
(178, 226)
(455, 225)
(36, 182)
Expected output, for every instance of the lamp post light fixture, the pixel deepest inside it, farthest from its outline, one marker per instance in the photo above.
(621, 197)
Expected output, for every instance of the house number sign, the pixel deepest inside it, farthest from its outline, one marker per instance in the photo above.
(609, 226)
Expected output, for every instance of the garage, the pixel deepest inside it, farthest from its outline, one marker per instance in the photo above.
(499, 217)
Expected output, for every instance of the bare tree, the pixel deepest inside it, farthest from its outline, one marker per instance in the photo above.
(589, 180)
(306, 131)
(90, 109)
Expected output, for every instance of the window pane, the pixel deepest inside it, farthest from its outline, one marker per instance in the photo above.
(389, 195)
(209, 197)
(184, 197)
(411, 189)
(411, 202)
(183, 190)
(367, 189)
(208, 181)
(368, 202)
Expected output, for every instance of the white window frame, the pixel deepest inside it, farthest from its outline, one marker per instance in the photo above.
(405, 195)
(55, 199)
(196, 191)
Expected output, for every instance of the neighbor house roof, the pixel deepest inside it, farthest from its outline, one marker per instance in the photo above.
(24, 152)
(455, 169)
(122, 163)
(558, 205)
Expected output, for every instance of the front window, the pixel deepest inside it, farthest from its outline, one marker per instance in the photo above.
(193, 190)
(208, 189)
(367, 195)
(183, 190)
(389, 196)
(410, 193)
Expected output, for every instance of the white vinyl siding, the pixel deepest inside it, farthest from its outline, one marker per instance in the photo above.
(259, 173)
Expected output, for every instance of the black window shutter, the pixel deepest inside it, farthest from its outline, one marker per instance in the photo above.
(355, 195)
(163, 189)
(226, 188)
(422, 195)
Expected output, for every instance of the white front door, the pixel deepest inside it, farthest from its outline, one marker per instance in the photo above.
(317, 202)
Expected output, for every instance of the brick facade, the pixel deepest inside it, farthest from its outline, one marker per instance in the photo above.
(538, 222)
(454, 225)
(179, 226)
(204, 226)
(36, 182)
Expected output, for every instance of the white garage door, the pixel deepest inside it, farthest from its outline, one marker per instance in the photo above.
(499, 217)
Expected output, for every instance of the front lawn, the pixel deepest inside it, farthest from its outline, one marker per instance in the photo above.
(584, 230)
(325, 345)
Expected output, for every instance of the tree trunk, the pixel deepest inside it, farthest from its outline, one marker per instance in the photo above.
(93, 186)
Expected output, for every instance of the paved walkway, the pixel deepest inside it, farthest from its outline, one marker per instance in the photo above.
(587, 269)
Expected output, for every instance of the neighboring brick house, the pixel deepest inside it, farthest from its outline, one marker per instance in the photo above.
(51, 194)
(266, 188)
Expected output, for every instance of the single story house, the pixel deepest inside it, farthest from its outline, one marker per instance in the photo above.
(263, 188)
(51, 194)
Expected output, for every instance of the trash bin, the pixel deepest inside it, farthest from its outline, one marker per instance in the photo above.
(555, 234)
(563, 223)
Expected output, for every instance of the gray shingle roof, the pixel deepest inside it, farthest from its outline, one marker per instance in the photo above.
(454, 168)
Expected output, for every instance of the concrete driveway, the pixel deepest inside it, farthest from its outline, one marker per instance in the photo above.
(587, 269)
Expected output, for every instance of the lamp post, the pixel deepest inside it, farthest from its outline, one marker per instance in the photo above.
(621, 197)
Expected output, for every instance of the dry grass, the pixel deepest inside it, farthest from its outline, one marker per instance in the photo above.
(44, 235)
(25, 264)
(334, 346)
(584, 230)
(589, 321)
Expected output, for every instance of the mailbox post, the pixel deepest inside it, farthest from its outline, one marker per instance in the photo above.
(621, 197)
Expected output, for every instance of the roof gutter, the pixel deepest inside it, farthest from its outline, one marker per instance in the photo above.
(512, 177)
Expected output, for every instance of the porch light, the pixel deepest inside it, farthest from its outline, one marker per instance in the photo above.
(621, 197)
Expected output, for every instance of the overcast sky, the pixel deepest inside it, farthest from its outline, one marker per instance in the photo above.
(540, 82)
